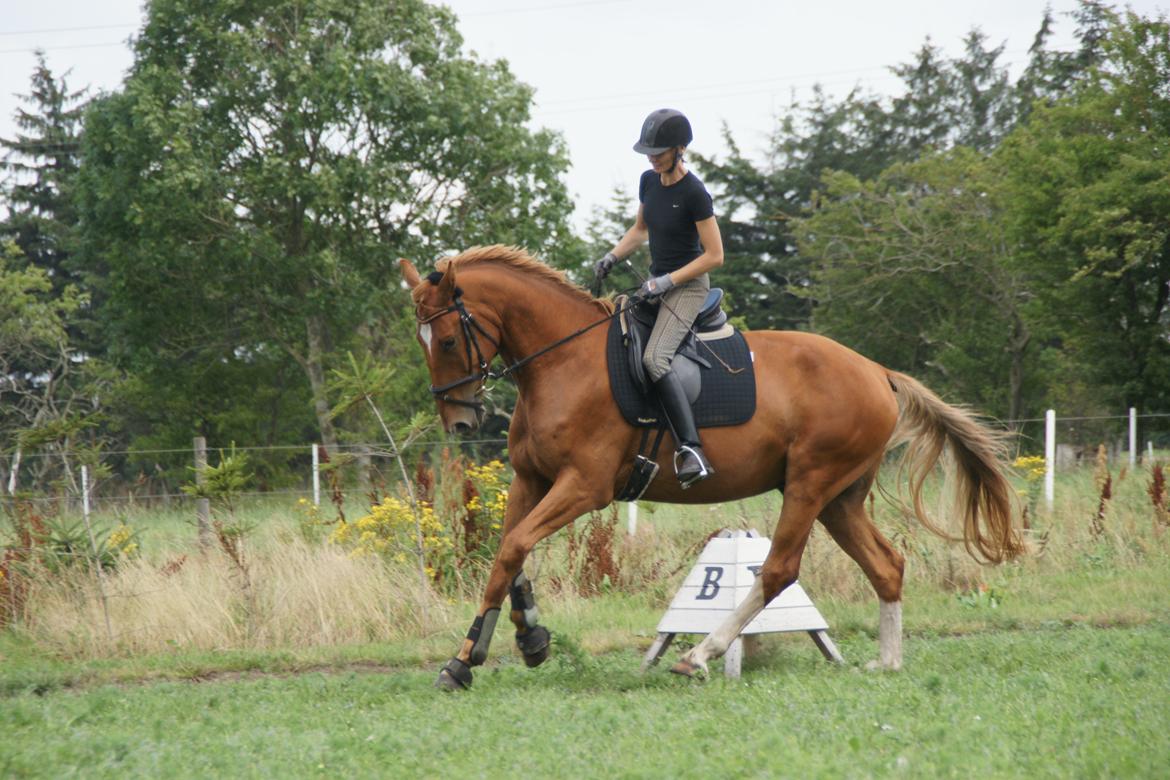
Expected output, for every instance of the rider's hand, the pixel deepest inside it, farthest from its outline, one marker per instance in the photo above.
(604, 265)
(656, 286)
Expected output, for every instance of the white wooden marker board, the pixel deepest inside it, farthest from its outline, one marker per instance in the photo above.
(718, 583)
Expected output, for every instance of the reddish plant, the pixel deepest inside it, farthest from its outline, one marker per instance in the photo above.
(599, 565)
(1157, 491)
(15, 562)
(173, 566)
(1097, 526)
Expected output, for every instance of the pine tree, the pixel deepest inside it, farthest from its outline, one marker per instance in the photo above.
(42, 163)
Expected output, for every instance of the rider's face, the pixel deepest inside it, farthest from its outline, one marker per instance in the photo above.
(662, 161)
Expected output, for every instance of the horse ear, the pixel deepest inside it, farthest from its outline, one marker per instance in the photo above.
(447, 283)
(409, 272)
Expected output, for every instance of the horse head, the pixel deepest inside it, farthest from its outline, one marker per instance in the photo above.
(458, 347)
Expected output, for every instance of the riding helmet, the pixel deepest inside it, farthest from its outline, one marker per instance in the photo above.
(662, 130)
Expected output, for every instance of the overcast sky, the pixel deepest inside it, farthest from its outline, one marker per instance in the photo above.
(599, 66)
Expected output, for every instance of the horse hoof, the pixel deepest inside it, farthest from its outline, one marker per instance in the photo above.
(534, 646)
(454, 676)
(688, 669)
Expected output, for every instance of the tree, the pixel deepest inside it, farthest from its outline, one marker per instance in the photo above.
(1090, 209)
(914, 269)
(48, 399)
(265, 163)
(42, 162)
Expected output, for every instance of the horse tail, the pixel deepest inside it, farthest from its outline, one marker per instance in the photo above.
(983, 497)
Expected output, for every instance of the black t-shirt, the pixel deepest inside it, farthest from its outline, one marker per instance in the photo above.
(671, 213)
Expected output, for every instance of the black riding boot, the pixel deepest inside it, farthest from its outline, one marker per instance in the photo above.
(690, 464)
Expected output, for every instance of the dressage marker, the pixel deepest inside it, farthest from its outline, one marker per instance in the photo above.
(719, 582)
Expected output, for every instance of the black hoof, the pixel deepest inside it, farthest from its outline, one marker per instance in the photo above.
(454, 676)
(534, 645)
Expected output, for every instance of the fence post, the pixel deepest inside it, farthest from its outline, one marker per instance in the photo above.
(97, 558)
(1132, 436)
(632, 517)
(316, 476)
(202, 505)
(15, 469)
(1049, 457)
(85, 494)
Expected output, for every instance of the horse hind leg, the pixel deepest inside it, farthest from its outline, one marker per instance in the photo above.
(780, 570)
(850, 526)
(532, 638)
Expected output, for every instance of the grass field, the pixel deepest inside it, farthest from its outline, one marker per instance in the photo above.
(1055, 666)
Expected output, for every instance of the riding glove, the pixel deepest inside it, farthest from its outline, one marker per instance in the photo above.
(656, 286)
(605, 265)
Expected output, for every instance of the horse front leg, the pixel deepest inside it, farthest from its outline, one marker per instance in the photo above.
(567, 499)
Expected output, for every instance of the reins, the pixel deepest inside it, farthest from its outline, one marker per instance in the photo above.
(470, 326)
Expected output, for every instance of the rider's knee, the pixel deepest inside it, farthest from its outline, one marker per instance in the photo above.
(656, 365)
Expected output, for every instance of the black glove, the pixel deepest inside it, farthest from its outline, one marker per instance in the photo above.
(604, 265)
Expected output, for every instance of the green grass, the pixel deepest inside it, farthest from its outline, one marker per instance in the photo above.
(1078, 701)
(1053, 666)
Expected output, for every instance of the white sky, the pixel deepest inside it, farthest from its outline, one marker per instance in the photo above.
(599, 66)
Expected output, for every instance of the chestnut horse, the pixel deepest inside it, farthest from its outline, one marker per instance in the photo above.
(824, 420)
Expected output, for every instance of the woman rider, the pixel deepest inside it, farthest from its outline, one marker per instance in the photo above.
(676, 215)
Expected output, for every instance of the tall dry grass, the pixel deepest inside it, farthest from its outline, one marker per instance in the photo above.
(302, 595)
(303, 592)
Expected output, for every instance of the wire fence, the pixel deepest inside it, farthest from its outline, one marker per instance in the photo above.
(154, 477)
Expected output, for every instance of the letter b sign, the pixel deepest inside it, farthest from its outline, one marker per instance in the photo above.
(710, 587)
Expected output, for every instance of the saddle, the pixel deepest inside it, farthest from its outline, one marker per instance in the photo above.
(710, 325)
(713, 362)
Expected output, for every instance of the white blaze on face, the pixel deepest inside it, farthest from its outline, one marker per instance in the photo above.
(424, 333)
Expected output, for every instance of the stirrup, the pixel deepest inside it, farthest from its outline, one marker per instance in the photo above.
(704, 471)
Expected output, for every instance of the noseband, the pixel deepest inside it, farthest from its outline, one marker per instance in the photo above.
(469, 325)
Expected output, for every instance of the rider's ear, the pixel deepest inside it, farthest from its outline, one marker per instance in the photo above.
(409, 272)
(447, 283)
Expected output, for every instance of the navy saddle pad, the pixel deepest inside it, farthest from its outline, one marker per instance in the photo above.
(725, 398)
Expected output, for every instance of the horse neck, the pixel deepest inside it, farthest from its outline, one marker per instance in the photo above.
(531, 312)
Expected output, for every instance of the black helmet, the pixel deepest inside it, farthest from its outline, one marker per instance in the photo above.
(662, 130)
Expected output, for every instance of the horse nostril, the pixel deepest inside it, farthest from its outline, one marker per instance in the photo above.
(461, 428)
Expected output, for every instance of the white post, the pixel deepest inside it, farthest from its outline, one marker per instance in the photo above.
(316, 477)
(1150, 450)
(1049, 457)
(85, 494)
(97, 559)
(632, 517)
(12, 474)
(1132, 437)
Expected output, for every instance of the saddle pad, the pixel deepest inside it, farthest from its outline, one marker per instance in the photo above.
(726, 398)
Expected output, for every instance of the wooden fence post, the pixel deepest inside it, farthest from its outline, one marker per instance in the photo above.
(202, 505)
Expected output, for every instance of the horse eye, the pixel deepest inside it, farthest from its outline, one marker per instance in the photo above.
(449, 343)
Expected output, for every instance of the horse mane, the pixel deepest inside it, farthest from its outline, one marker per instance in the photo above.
(516, 258)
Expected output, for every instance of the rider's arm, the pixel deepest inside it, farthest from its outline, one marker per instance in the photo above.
(711, 258)
(637, 235)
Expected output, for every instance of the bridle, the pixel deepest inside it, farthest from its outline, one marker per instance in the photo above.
(470, 325)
